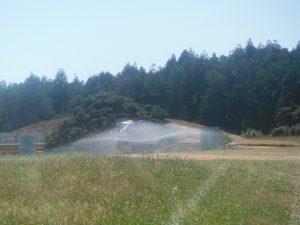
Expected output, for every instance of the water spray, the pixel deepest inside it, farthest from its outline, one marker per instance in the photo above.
(145, 137)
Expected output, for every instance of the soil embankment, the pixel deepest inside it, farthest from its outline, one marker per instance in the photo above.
(241, 142)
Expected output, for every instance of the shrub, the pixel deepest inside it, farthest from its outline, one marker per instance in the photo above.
(284, 116)
(288, 116)
(295, 130)
(226, 141)
(280, 131)
(251, 133)
(99, 112)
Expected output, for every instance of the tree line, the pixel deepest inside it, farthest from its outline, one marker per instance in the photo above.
(255, 87)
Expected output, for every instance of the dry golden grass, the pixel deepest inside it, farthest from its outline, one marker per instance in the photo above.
(257, 153)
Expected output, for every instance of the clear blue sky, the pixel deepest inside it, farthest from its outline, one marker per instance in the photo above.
(87, 36)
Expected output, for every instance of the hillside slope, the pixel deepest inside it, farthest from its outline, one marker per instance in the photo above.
(40, 130)
(241, 141)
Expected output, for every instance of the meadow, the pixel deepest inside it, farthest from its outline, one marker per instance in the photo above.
(93, 189)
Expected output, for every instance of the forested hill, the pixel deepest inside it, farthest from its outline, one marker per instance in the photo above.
(253, 87)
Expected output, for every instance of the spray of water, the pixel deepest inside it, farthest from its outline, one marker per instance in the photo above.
(138, 137)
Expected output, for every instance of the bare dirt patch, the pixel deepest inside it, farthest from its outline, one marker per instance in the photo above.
(240, 141)
(46, 127)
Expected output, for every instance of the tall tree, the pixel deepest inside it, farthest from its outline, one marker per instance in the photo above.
(60, 92)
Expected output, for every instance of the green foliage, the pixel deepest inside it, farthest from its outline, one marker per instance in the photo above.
(152, 112)
(295, 130)
(285, 130)
(285, 118)
(251, 133)
(225, 141)
(26, 103)
(99, 112)
(257, 87)
(59, 92)
(288, 116)
(281, 131)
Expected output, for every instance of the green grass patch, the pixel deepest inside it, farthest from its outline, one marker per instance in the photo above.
(91, 189)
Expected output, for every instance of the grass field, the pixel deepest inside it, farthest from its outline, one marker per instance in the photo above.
(91, 189)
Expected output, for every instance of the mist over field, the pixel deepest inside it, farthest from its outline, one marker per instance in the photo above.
(134, 137)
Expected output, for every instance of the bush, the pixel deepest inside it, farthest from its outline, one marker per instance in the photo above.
(251, 133)
(281, 131)
(295, 130)
(284, 116)
(99, 112)
(288, 116)
(226, 141)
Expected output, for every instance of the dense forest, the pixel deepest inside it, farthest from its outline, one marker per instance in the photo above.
(255, 87)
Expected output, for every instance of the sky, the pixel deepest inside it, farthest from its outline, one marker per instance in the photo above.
(89, 36)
